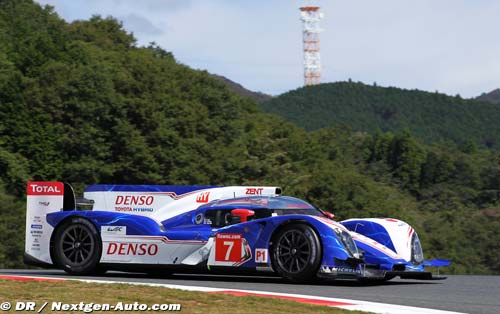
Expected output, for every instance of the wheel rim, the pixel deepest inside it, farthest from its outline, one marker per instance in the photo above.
(294, 251)
(77, 245)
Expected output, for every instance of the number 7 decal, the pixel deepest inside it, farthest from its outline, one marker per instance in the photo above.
(228, 247)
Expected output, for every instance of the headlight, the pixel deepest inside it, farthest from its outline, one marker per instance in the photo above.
(348, 242)
(417, 256)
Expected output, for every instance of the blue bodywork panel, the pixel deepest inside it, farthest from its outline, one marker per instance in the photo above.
(271, 213)
(371, 230)
(257, 232)
(378, 233)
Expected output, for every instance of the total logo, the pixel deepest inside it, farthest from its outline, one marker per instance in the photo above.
(45, 188)
(140, 249)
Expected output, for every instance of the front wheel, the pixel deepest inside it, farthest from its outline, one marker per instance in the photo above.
(296, 253)
(77, 247)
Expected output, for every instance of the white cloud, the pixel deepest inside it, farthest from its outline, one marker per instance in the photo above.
(140, 25)
(444, 45)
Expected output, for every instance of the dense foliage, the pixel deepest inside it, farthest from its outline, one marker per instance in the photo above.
(80, 102)
(431, 117)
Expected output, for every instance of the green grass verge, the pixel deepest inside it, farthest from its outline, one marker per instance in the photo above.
(192, 302)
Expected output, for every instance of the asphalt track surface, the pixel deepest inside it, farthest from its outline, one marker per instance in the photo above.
(467, 294)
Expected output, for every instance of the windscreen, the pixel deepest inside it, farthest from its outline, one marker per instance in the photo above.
(285, 205)
(265, 206)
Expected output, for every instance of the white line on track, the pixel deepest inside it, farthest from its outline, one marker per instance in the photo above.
(348, 304)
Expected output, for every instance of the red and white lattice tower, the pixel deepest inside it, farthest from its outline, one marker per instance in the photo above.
(310, 16)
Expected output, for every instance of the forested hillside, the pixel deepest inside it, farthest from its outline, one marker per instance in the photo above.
(431, 117)
(492, 97)
(242, 91)
(81, 102)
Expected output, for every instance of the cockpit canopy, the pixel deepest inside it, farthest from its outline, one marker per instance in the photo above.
(218, 213)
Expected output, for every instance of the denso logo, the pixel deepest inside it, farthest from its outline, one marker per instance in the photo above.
(134, 200)
(132, 249)
(254, 191)
(45, 188)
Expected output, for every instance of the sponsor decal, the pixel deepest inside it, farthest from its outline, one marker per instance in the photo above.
(254, 191)
(340, 270)
(45, 188)
(149, 209)
(127, 202)
(228, 247)
(121, 230)
(36, 226)
(199, 219)
(138, 200)
(134, 209)
(261, 255)
(203, 197)
(150, 249)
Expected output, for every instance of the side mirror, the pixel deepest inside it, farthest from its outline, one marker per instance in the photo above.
(242, 213)
(329, 215)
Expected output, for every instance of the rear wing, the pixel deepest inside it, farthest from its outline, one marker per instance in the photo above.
(44, 198)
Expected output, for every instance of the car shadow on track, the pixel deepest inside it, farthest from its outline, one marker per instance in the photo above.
(195, 279)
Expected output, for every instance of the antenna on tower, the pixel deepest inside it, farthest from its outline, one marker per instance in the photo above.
(310, 16)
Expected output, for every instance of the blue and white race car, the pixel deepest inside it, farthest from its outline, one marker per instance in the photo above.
(163, 229)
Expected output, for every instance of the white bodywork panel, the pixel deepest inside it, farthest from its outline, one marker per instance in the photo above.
(399, 231)
(164, 205)
(43, 198)
(146, 249)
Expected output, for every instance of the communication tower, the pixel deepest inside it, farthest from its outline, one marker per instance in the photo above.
(310, 16)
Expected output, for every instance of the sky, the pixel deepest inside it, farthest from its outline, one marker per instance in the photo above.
(449, 46)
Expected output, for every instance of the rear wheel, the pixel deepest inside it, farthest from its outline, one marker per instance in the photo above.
(296, 253)
(77, 247)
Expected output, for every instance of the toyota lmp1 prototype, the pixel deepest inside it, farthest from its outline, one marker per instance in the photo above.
(163, 229)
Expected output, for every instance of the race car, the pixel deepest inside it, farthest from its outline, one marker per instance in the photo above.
(162, 229)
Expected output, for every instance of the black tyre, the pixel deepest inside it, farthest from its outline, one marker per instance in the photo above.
(77, 247)
(296, 253)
